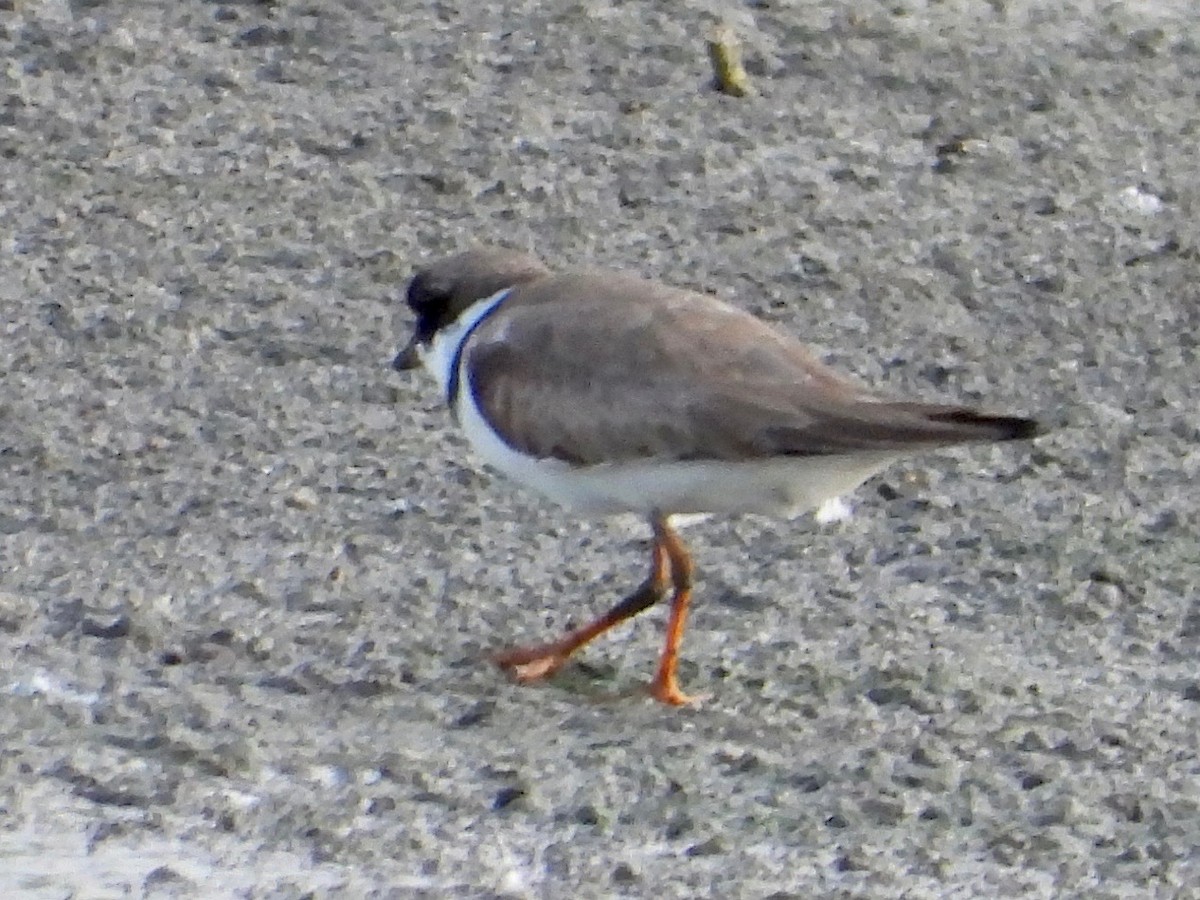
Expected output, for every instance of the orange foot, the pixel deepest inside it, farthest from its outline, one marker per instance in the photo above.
(666, 690)
(530, 664)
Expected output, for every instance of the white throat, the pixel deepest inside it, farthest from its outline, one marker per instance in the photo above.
(443, 355)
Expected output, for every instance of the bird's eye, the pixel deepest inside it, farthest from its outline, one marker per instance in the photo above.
(419, 296)
(428, 299)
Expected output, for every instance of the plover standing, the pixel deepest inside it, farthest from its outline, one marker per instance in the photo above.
(611, 394)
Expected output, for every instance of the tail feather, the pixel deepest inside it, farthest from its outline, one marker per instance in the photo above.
(886, 427)
(989, 427)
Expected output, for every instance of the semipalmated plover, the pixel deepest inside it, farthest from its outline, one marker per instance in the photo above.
(612, 394)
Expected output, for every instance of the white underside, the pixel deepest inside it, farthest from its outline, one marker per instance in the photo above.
(784, 486)
(779, 486)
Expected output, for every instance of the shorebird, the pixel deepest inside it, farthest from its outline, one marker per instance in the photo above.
(612, 394)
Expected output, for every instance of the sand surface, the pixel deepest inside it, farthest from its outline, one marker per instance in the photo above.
(247, 572)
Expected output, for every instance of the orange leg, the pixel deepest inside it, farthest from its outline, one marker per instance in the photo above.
(665, 687)
(528, 664)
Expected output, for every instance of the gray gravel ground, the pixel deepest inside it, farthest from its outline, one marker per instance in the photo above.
(248, 571)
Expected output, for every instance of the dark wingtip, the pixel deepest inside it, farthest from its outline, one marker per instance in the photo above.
(1027, 429)
(994, 428)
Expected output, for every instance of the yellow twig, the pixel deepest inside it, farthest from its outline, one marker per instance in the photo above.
(725, 54)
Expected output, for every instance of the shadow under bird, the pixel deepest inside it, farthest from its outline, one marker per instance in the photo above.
(612, 394)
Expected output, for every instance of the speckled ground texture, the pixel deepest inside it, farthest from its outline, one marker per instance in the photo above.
(249, 572)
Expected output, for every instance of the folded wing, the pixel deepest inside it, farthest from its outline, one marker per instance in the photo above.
(630, 370)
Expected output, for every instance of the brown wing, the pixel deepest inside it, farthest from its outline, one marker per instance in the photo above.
(595, 368)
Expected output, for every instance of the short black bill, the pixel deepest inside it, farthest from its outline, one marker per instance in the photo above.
(408, 358)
